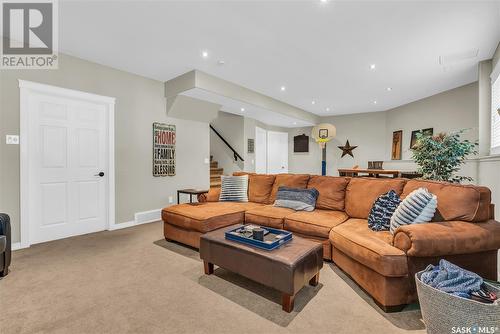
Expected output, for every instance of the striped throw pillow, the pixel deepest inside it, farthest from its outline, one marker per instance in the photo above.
(234, 188)
(418, 207)
(297, 199)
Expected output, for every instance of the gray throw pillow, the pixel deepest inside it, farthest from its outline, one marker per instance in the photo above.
(234, 188)
(418, 207)
(297, 199)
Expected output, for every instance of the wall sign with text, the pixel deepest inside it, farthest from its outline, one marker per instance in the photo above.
(163, 149)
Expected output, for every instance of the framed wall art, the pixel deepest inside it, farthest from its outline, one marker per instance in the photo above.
(301, 143)
(163, 149)
(426, 132)
(397, 145)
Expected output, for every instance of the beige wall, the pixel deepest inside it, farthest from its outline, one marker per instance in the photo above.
(445, 112)
(372, 132)
(231, 127)
(139, 103)
(367, 131)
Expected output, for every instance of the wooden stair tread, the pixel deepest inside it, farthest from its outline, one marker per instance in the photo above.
(215, 173)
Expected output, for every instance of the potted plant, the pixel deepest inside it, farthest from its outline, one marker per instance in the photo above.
(440, 157)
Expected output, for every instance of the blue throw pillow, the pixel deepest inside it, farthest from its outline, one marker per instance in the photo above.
(297, 199)
(380, 215)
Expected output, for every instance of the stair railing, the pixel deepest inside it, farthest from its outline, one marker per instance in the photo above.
(235, 154)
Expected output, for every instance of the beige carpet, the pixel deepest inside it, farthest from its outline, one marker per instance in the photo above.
(133, 281)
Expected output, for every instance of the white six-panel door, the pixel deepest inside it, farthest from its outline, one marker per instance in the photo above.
(68, 140)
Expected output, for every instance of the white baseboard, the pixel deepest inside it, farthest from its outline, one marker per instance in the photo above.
(147, 216)
(140, 218)
(121, 225)
(16, 246)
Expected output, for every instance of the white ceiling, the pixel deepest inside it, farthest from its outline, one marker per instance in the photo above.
(319, 51)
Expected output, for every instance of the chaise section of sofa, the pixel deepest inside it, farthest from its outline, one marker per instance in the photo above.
(185, 223)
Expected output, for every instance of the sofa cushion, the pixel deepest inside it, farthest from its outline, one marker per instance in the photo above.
(317, 223)
(212, 195)
(267, 215)
(331, 191)
(259, 187)
(204, 217)
(370, 248)
(361, 193)
(288, 180)
(456, 202)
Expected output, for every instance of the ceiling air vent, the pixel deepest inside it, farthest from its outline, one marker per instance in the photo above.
(454, 58)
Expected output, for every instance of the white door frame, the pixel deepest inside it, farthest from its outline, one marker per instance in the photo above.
(26, 88)
(258, 147)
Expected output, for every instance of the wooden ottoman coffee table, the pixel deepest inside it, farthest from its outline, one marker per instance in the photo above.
(286, 269)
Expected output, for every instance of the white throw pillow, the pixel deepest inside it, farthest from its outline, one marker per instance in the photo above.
(418, 207)
(234, 188)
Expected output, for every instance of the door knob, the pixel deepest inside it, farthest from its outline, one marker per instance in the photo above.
(101, 174)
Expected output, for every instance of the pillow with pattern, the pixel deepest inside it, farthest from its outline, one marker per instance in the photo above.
(297, 199)
(234, 188)
(380, 215)
(418, 207)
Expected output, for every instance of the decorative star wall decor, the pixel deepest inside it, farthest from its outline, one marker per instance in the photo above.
(347, 149)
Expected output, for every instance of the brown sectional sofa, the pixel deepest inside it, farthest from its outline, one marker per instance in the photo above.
(463, 230)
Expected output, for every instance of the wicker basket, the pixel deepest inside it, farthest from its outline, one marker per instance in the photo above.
(445, 313)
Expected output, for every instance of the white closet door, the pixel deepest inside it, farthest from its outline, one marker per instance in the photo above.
(277, 152)
(67, 163)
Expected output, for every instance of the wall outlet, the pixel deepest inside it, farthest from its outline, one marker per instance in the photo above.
(12, 140)
(170, 199)
(206, 161)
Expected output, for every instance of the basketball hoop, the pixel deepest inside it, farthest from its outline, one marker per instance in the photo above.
(322, 134)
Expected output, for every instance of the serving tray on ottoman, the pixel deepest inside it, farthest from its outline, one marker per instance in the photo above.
(272, 240)
(287, 268)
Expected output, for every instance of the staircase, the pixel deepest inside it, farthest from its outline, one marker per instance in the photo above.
(215, 173)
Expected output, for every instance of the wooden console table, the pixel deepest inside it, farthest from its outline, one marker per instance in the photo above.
(354, 172)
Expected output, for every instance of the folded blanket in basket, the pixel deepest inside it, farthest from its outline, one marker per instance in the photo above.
(450, 278)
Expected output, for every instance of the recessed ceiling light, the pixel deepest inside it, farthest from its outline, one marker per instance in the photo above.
(242, 109)
(324, 1)
(372, 66)
(375, 102)
(204, 54)
(327, 109)
(283, 88)
(389, 89)
(313, 102)
(294, 123)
